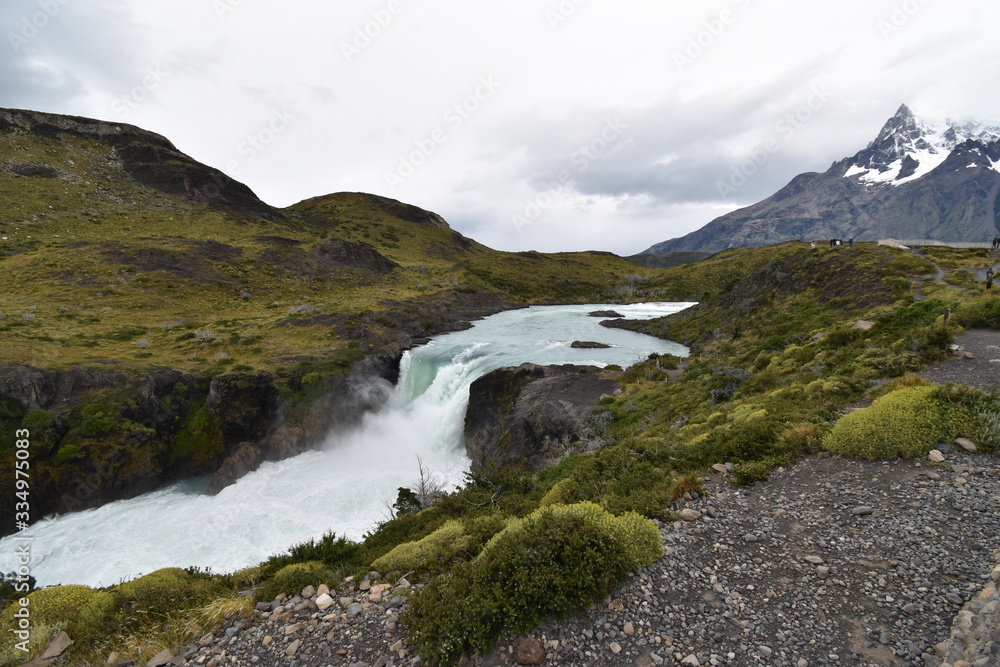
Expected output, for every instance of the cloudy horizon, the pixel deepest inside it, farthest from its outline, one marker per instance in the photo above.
(552, 126)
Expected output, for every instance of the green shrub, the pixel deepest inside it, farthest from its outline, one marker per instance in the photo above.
(908, 380)
(447, 543)
(747, 440)
(482, 528)
(905, 423)
(985, 315)
(152, 598)
(63, 454)
(746, 474)
(618, 478)
(80, 610)
(970, 413)
(201, 438)
(291, 579)
(554, 561)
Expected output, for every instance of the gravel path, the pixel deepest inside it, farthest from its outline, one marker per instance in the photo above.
(831, 562)
(980, 370)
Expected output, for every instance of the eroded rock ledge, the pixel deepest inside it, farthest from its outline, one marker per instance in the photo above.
(106, 432)
(531, 414)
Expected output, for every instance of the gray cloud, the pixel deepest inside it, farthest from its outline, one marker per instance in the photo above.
(682, 130)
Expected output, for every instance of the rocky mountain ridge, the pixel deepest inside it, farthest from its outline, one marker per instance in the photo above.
(914, 180)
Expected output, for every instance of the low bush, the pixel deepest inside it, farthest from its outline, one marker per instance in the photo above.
(79, 610)
(153, 597)
(291, 579)
(984, 315)
(905, 423)
(554, 561)
(746, 474)
(970, 413)
(444, 545)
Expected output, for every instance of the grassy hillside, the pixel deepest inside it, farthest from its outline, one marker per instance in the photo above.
(99, 265)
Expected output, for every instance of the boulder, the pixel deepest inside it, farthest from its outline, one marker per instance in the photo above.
(531, 414)
(967, 445)
(529, 651)
(589, 345)
(606, 313)
(57, 646)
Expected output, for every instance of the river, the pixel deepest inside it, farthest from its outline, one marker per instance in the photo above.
(347, 485)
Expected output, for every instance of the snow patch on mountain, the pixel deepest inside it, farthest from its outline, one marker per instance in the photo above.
(909, 148)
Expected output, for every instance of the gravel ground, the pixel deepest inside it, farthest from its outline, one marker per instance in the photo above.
(831, 562)
(981, 371)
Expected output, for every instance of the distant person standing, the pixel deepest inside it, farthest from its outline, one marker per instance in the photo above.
(989, 278)
(850, 242)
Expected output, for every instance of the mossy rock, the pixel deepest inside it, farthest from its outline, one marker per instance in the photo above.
(906, 423)
(447, 543)
(291, 579)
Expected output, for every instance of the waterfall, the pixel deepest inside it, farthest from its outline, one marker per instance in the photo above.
(347, 485)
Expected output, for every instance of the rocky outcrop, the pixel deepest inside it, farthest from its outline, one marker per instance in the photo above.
(149, 158)
(531, 414)
(589, 345)
(105, 432)
(343, 403)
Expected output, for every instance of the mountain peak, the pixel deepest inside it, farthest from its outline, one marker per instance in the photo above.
(949, 173)
(908, 148)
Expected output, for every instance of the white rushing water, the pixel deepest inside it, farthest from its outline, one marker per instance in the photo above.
(345, 487)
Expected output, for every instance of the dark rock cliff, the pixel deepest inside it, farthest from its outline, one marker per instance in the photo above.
(531, 414)
(106, 432)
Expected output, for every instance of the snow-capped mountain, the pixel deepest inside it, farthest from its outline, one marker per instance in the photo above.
(908, 148)
(915, 180)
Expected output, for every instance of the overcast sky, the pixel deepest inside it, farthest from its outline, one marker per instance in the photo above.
(528, 124)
